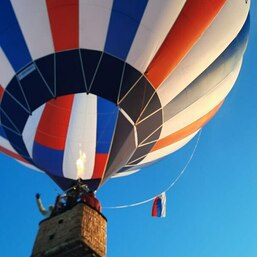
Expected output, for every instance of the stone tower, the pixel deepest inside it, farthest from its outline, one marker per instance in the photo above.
(78, 232)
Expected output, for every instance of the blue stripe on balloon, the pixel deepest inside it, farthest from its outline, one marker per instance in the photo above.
(233, 52)
(50, 160)
(11, 38)
(236, 47)
(229, 58)
(107, 113)
(2, 133)
(125, 19)
(17, 143)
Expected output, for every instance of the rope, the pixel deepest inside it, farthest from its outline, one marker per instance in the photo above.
(167, 189)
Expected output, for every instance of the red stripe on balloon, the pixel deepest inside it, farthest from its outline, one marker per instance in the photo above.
(53, 126)
(64, 22)
(100, 163)
(193, 20)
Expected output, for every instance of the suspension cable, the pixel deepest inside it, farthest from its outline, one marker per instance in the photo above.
(172, 184)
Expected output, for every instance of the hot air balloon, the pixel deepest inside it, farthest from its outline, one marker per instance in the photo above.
(95, 89)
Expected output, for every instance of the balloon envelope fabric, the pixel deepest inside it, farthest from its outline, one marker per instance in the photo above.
(114, 84)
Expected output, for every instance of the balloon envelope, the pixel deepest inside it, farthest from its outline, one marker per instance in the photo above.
(96, 89)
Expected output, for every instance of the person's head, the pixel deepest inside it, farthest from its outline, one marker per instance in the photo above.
(58, 198)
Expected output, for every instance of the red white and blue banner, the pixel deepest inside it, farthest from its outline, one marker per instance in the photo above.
(159, 206)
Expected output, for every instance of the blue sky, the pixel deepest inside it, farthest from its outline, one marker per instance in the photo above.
(211, 211)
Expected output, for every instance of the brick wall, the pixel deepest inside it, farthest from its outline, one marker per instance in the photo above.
(78, 232)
